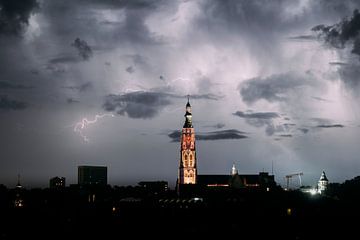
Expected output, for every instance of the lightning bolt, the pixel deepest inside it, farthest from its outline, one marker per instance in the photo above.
(80, 126)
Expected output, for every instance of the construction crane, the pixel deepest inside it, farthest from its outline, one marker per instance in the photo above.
(290, 176)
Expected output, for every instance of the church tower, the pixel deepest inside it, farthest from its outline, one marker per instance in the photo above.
(187, 168)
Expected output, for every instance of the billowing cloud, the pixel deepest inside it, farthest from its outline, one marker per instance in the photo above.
(346, 31)
(139, 104)
(344, 35)
(215, 135)
(260, 119)
(10, 104)
(273, 88)
(84, 50)
(144, 104)
(14, 16)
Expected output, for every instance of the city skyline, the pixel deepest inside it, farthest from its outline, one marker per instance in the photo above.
(272, 85)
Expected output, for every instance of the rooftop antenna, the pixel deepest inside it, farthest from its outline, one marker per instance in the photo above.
(272, 167)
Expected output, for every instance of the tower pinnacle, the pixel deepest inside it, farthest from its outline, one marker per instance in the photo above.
(188, 115)
(187, 168)
(234, 171)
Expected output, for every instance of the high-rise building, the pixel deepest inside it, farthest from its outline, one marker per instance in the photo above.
(92, 175)
(57, 182)
(187, 166)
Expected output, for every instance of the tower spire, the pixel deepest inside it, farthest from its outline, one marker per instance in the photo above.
(18, 185)
(188, 116)
(234, 171)
(187, 168)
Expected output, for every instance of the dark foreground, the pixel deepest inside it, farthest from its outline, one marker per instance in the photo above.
(70, 214)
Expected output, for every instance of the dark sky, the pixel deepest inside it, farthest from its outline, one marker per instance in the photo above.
(270, 82)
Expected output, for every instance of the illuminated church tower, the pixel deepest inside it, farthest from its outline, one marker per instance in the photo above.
(187, 168)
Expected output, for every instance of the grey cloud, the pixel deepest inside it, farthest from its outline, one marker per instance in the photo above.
(330, 126)
(338, 63)
(261, 119)
(215, 135)
(303, 37)
(208, 96)
(71, 100)
(145, 104)
(81, 88)
(130, 69)
(9, 85)
(320, 99)
(14, 16)
(349, 74)
(285, 135)
(218, 125)
(137, 104)
(341, 35)
(10, 104)
(64, 59)
(273, 88)
(303, 130)
(83, 48)
(261, 115)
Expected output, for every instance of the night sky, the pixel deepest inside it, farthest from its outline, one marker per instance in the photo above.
(270, 82)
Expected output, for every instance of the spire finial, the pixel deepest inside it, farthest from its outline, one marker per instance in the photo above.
(234, 171)
(18, 185)
(188, 97)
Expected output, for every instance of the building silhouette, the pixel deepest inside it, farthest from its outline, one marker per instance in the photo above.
(57, 182)
(263, 180)
(92, 175)
(187, 165)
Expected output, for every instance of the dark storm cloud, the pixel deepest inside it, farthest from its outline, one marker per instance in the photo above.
(320, 99)
(272, 88)
(261, 119)
(285, 135)
(257, 115)
(83, 48)
(218, 126)
(9, 85)
(344, 34)
(208, 96)
(130, 69)
(64, 59)
(215, 135)
(10, 104)
(325, 123)
(330, 126)
(338, 35)
(303, 37)
(71, 100)
(14, 15)
(303, 130)
(144, 104)
(81, 88)
(137, 104)
(338, 63)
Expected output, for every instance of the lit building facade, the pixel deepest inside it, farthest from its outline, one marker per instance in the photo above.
(187, 166)
(323, 182)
